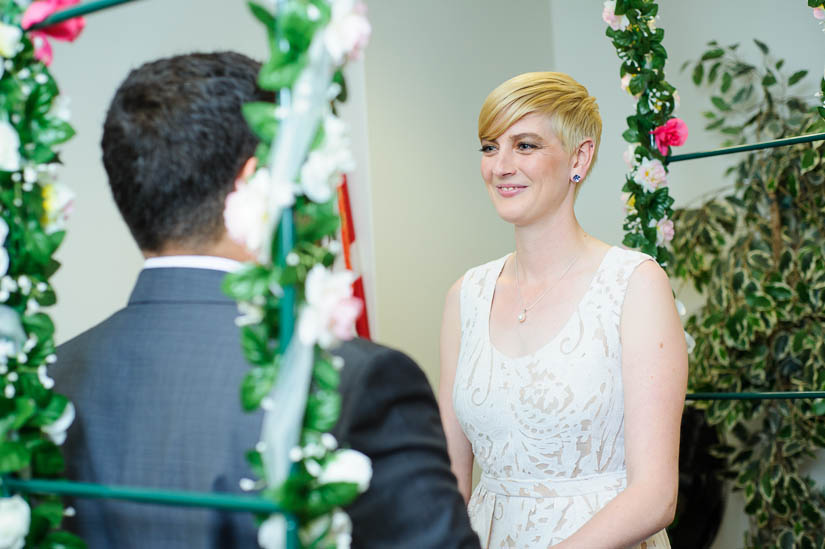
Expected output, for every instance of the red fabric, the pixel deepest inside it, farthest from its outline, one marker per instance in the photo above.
(362, 326)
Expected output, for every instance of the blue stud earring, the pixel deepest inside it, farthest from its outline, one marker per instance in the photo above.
(577, 178)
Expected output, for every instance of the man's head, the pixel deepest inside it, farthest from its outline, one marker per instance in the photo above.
(174, 141)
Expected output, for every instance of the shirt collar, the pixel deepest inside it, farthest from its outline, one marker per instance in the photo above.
(193, 262)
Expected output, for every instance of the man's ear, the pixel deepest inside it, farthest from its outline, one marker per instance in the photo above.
(247, 170)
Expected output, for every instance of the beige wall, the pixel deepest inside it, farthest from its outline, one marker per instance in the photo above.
(100, 260)
(428, 68)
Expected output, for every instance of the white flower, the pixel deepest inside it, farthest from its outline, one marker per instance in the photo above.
(650, 174)
(9, 40)
(664, 230)
(348, 31)
(250, 314)
(9, 147)
(58, 203)
(629, 156)
(321, 173)
(629, 202)
(330, 311)
(57, 429)
(272, 533)
(247, 213)
(691, 343)
(348, 466)
(15, 517)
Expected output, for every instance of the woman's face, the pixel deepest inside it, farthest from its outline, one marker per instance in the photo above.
(526, 170)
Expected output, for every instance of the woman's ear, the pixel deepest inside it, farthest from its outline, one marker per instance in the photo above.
(582, 158)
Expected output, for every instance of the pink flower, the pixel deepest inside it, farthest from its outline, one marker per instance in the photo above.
(664, 230)
(673, 134)
(819, 12)
(66, 31)
(329, 314)
(616, 22)
(650, 174)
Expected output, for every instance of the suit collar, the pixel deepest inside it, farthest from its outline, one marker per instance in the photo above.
(179, 285)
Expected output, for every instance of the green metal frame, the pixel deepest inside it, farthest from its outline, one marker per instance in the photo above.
(744, 148)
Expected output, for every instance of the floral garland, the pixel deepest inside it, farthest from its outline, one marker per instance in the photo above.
(652, 130)
(323, 478)
(33, 211)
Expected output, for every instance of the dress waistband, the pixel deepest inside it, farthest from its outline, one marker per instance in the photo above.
(555, 487)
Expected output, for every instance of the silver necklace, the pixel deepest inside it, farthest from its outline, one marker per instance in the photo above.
(522, 316)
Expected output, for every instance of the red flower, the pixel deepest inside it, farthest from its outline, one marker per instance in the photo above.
(67, 30)
(673, 134)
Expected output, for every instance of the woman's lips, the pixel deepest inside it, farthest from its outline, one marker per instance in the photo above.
(510, 190)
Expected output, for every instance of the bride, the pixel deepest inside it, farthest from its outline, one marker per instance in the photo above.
(563, 364)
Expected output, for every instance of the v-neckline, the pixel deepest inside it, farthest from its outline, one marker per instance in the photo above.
(561, 330)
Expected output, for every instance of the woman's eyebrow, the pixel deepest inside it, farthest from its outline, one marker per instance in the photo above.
(528, 135)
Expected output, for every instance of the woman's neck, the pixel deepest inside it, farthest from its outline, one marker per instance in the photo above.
(546, 248)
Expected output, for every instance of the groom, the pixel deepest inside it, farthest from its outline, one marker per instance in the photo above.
(156, 385)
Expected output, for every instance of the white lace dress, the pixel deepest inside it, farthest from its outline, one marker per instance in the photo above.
(547, 429)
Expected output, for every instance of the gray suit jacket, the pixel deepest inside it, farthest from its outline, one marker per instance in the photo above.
(156, 388)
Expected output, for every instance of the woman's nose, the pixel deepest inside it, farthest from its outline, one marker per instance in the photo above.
(504, 164)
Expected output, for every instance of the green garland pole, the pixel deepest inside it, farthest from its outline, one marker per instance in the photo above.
(77, 11)
(778, 395)
(745, 148)
(228, 502)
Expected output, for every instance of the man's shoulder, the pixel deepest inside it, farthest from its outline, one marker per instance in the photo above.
(366, 362)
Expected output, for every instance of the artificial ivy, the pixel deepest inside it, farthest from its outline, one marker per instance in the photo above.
(29, 409)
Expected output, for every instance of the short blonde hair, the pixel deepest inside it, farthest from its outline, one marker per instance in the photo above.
(573, 112)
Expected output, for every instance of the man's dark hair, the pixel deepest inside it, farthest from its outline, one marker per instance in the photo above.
(174, 141)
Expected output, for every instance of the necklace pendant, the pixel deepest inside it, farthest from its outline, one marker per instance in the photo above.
(522, 316)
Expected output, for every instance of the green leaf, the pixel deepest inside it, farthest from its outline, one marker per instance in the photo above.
(716, 124)
(277, 74)
(796, 77)
(13, 456)
(47, 460)
(768, 80)
(326, 375)
(713, 54)
(760, 261)
(257, 383)
(262, 14)
(15, 413)
(322, 411)
(761, 46)
(256, 345)
(52, 411)
(720, 103)
(808, 159)
(759, 302)
(727, 80)
(62, 540)
(262, 119)
(40, 325)
(245, 284)
(779, 291)
(714, 70)
(256, 463)
(698, 73)
(50, 511)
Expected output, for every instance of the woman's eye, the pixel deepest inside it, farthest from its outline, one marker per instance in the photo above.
(487, 148)
(526, 146)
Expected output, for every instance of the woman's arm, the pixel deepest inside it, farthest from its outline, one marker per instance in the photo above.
(654, 375)
(461, 454)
